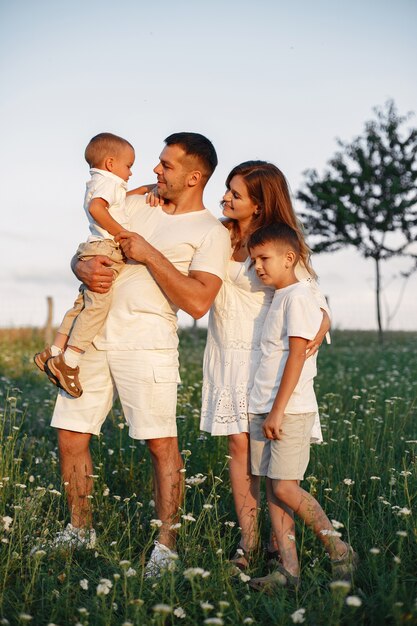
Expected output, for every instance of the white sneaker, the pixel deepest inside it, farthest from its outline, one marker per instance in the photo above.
(162, 560)
(72, 537)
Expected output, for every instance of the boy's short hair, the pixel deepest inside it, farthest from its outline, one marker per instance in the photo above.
(198, 146)
(103, 145)
(275, 233)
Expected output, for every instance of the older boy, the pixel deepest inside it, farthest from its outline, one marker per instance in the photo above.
(283, 406)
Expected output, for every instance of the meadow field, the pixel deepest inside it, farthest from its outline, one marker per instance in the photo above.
(365, 475)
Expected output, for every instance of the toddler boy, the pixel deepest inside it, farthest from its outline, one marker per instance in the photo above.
(110, 159)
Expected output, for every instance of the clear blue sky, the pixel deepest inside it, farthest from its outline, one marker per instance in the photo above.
(268, 79)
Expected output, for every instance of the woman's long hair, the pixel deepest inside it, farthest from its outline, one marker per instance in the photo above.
(268, 188)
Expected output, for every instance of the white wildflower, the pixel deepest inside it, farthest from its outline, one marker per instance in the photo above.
(343, 585)
(162, 608)
(353, 601)
(179, 612)
(104, 586)
(155, 523)
(188, 518)
(206, 606)
(374, 550)
(130, 572)
(192, 572)
(214, 620)
(298, 617)
(404, 511)
(84, 584)
(244, 577)
(348, 481)
(7, 522)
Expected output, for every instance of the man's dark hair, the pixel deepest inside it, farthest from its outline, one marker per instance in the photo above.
(275, 233)
(196, 145)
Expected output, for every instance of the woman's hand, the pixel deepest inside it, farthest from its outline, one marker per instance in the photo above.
(95, 273)
(313, 346)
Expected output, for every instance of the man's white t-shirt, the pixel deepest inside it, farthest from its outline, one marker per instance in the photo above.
(140, 316)
(293, 313)
(112, 189)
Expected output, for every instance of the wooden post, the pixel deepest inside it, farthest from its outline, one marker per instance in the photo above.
(48, 328)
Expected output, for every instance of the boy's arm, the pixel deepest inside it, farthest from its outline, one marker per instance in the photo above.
(99, 211)
(142, 190)
(289, 380)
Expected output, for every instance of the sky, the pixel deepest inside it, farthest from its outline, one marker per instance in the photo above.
(272, 80)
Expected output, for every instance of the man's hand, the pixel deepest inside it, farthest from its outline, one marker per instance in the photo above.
(95, 273)
(134, 246)
(272, 426)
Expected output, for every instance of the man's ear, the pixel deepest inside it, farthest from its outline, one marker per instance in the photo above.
(109, 164)
(194, 178)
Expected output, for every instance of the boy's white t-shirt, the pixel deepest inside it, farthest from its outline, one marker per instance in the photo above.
(112, 189)
(293, 313)
(140, 315)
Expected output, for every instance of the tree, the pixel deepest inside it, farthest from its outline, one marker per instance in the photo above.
(367, 197)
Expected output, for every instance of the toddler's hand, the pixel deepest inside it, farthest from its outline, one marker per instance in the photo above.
(153, 199)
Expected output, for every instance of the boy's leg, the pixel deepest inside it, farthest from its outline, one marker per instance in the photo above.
(310, 511)
(282, 520)
(245, 489)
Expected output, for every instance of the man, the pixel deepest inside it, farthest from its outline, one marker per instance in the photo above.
(178, 254)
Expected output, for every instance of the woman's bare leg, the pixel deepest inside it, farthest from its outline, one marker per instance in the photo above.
(245, 489)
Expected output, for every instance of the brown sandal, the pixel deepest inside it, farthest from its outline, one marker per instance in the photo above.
(40, 358)
(242, 559)
(280, 577)
(66, 376)
(345, 565)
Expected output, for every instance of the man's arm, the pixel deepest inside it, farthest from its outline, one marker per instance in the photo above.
(194, 293)
(290, 377)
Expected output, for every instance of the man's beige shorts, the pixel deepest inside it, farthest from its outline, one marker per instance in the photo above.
(281, 459)
(146, 382)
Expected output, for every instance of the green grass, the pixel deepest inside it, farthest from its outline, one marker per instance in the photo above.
(365, 477)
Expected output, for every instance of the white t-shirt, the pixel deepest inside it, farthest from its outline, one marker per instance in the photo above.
(293, 313)
(112, 189)
(140, 316)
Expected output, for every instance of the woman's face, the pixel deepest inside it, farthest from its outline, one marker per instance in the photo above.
(237, 204)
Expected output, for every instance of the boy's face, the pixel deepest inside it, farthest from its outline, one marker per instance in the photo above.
(274, 264)
(122, 163)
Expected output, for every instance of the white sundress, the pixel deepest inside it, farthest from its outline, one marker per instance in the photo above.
(232, 354)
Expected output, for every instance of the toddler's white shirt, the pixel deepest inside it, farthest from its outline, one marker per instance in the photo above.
(112, 189)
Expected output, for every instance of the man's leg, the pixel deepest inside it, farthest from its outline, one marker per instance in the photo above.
(76, 471)
(169, 485)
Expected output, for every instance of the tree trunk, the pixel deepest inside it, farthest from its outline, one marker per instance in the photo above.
(378, 301)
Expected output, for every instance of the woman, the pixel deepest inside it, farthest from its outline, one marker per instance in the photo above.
(256, 194)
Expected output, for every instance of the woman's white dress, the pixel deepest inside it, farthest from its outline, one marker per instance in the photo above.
(232, 352)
